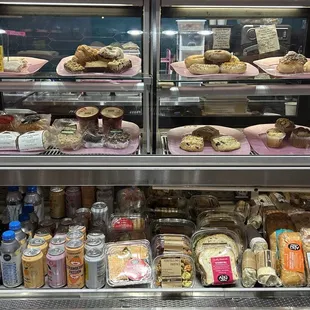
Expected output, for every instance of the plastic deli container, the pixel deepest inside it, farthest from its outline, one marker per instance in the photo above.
(167, 202)
(201, 203)
(191, 24)
(115, 236)
(171, 243)
(128, 263)
(130, 200)
(172, 226)
(174, 271)
(127, 222)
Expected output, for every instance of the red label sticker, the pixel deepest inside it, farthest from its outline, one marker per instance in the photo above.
(122, 224)
(222, 272)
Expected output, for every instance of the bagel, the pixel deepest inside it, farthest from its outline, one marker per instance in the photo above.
(234, 59)
(194, 59)
(217, 56)
(233, 67)
(200, 69)
(307, 66)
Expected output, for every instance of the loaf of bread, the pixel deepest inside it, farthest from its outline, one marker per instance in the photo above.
(305, 237)
(292, 267)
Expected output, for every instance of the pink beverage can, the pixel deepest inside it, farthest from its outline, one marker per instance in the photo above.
(58, 242)
(73, 200)
(56, 267)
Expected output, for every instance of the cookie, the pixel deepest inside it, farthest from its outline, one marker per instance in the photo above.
(225, 144)
(192, 144)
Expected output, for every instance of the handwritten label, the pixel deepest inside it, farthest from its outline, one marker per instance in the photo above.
(267, 39)
(15, 33)
(221, 38)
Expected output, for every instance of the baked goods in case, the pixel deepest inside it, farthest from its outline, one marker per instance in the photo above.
(292, 63)
(206, 132)
(73, 66)
(84, 54)
(130, 200)
(233, 67)
(307, 66)
(225, 144)
(201, 69)
(217, 56)
(96, 66)
(300, 137)
(192, 144)
(7, 122)
(194, 59)
(119, 65)
(110, 52)
(33, 122)
(14, 64)
(285, 125)
(116, 139)
(292, 268)
(301, 219)
(305, 237)
(275, 137)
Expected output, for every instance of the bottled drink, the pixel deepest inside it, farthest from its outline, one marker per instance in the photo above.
(11, 260)
(14, 204)
(20, 236)
(33, 199)
(27, 227)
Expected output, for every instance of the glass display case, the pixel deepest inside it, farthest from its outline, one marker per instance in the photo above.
(171, 113)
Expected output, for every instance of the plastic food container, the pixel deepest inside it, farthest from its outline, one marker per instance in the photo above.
(88, 118)
(191, 24)
(171, 243)
(219, 216)
(128, 263)
(115, 236)
(211, 236)
(174, 270)
(201, 203)
(130, 200)
(111, 118)
(172, 226)
(7, 123)
(162, 192)
(127, 222)
(160, 213)
(156, 203)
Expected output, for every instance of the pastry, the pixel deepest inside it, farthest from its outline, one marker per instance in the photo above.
(225, 144)
(85, 54)
(194, 59)
(119, 66)
(130, 46)
(275, 137)
(233, 67)
(292, 63)
(203, 69)
(192, 144)
(111, 52)
(206, 132)
(116, 139)
(96, 66)
(14, 65)
(286, 125)
(300, 137)
(73, 66)
(307, 66)
(217, 56)
(33, 122)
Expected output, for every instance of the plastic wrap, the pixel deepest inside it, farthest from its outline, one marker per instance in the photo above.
(92, 140)
(243, 209)
(115, 236)
(254, 218)
(174, 270)
(249, 273)
(305, 237)
(8, 122)
(8, 141)
(172, 226)
(171, 243)
(130, 200)
(35, 141)
(116, 139)
(33, 122)
(128, 263)
(127, 222)
(255, 241)
(201, 203)
(301, 219)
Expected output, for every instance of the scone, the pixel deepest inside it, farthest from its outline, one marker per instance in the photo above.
(307, 66)
(225, 144)
(292, 63)
(201, 69)
(192, 144)
(300, 138)
(275, 137)
(206, 132)
(111, 52)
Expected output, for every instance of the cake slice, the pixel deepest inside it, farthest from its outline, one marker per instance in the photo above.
(225, 144)
(96, 66)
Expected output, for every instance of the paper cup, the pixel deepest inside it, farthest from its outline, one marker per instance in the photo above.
(290, 108)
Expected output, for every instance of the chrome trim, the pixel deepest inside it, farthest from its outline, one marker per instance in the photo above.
(76, 2)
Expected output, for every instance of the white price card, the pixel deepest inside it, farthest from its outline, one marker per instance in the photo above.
(267, 39)
(221, 38)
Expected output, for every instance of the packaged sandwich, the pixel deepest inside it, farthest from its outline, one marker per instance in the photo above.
(8, 141)
(301, 219)
(249, 272)
(242, 208)
(35, 141)
(33, 122)
(122, 222)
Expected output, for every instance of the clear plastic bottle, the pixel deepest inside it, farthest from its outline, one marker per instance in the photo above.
(32, 198)
(11, 260)
(20, 236)
(27, 227)
(14, 204)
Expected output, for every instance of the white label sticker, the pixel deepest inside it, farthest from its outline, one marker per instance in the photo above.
(267, 39)
(221, 38)
(31, 141)
(8, 140)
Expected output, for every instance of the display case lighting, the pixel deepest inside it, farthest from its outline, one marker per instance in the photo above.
(169, 32)
(245, 7)
(135, 32)
(205, 32)
(62, 4)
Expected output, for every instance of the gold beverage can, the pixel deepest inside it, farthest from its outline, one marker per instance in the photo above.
(43, 246)
(74, 235)
(44, 235)
(75, 264)
(33, 268)
(57, 202)
(88, 196)
(79, 228)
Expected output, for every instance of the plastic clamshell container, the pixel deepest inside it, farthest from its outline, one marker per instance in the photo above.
(122, 222)
(130, 200)
(174, 271)
(172, 226)
(217, 235)
(174, 202)
(128, 263)
(160, 213)
(115, 236)
(191, 24)
(219, 216)
(201, 203)
(171, 243)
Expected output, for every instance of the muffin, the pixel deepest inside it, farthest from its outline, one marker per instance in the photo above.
(206, 132)
(275, 137)
(300, 137)
(285, 125)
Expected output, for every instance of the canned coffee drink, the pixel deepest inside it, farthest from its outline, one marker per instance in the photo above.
(94, 269)
(56, 263)
(58, 242)
(43, 246)
(94, 244)
(73, 200)
(57, 203)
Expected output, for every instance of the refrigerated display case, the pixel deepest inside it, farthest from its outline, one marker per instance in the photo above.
(163, 102)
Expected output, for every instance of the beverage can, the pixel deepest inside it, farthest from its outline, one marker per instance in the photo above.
(49, 225)
(88, 196)
(96, 235)
(75, 234)
(64, 225)
(57, 203)
(44, 234)
(58, 242)
(33, 268)
(94, 244)
(79, 228)
(73, 200)
(75, 264)
(99, 214)
(94, 269)
(43, 246)
(56, 265)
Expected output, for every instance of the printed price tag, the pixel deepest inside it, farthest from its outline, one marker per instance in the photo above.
(267, 39)
(221, 38)
(171, 267)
